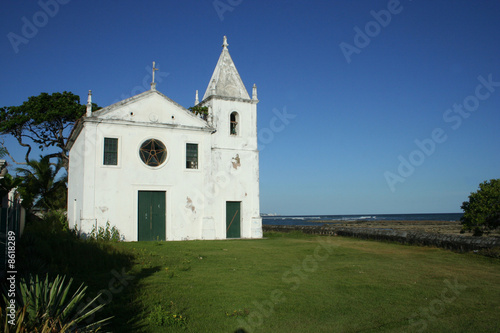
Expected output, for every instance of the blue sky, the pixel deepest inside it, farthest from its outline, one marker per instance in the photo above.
(359, 81)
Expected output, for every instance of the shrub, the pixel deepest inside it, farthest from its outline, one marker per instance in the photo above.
(482, 211)
(493, 252)
(56, 221)
(105, 234)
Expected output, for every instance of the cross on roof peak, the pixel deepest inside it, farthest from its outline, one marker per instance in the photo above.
(153, 84)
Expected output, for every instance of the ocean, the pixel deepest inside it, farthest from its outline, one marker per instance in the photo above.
(309, 220)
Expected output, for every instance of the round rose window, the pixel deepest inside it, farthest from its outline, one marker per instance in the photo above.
(153, 152)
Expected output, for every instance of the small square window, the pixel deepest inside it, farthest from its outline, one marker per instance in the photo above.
(191, 156)
(110, 151)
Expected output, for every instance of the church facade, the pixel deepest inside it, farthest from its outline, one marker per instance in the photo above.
(158, 171)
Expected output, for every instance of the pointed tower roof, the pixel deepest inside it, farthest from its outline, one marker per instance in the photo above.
(225, 80)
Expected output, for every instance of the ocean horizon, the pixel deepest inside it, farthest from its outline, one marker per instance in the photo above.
(271, 219)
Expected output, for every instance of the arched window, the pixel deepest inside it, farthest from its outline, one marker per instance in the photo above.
(233, 127)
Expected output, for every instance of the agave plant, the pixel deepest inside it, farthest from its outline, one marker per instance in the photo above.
(5, 321)
(46, 306)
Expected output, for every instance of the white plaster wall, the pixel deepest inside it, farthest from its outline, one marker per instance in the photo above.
(76, 181)
(149, 108)
(235, 164)
(237, 182)
(247, 111)
(117, 192)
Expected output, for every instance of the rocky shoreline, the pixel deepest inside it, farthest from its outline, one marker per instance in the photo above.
(436, 227)
(443, 234)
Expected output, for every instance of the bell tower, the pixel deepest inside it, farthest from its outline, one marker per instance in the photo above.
(231, 110)
(235, 156)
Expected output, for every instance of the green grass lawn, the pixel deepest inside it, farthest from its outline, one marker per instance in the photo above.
(299, 283)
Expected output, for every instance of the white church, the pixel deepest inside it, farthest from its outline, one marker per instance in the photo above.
(158, 171)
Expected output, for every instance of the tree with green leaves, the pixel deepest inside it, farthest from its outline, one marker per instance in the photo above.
(203, 110)
(7, 183)
(482, 211)
(43, 121)
(42, 187)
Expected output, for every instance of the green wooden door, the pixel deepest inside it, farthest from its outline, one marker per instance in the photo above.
(151, 216)
(233, 219)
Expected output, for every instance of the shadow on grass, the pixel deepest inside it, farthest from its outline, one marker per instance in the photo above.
(125, 308)
(47, 248)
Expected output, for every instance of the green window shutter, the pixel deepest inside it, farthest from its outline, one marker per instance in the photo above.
(191, 155)
(110, 151)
